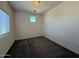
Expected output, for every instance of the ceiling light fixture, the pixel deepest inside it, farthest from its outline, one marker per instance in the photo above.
(34, 11)
(37, 3)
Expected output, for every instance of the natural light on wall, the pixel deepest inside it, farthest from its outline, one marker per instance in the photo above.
(4, 23)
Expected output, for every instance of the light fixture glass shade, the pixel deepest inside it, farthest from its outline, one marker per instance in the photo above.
(36, 3)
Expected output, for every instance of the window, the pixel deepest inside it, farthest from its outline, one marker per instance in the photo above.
(32, 19)
(4, 23)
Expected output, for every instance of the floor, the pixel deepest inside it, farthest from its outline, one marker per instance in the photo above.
(39, 47)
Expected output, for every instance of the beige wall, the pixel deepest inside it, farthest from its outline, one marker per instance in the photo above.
(61, 25)
(25, 29)
(8, 39)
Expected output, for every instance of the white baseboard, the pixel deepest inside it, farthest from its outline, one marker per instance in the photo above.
(62, 44)
(8, 49)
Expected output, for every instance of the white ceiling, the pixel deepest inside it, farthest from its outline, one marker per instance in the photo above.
(27, 6)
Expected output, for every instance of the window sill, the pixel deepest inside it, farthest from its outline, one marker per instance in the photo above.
(4, 35)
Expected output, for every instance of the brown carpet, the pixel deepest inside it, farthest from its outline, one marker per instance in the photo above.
(40, 47)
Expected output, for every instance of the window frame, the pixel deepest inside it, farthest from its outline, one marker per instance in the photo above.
(9, 23)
